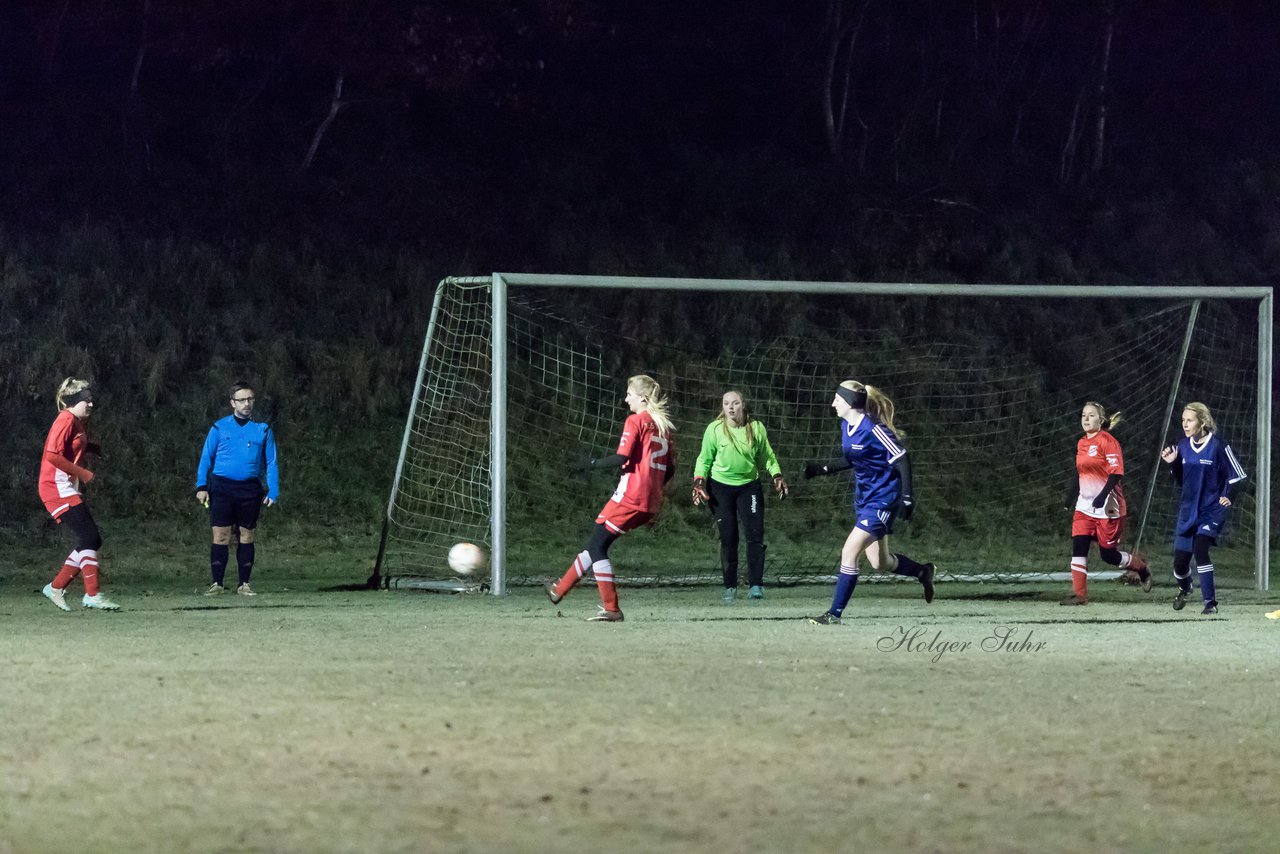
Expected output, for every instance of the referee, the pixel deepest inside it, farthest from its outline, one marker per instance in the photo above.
(237, 453)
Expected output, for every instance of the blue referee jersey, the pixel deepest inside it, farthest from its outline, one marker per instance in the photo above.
(241, 451)
(1206, 473)
(872, 449)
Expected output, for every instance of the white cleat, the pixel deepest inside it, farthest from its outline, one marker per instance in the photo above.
(56, 596)
(245, 590)
(100, 602)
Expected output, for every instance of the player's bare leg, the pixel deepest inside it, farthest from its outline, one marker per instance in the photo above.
(885, 560)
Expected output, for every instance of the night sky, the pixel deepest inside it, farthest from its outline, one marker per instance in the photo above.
(769, 119)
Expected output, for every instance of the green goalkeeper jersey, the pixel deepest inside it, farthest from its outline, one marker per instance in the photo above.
(729, 459)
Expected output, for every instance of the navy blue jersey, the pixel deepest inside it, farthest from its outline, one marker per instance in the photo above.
(872, 449)
(240, 451)
(1207, 469)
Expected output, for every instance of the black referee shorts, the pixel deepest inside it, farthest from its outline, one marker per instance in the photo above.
(234, 502)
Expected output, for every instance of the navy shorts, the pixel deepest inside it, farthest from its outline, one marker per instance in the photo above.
(1208, 525)
(875, 519)
(234, 502)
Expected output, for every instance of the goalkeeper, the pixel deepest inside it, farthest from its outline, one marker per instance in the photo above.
(726, 477)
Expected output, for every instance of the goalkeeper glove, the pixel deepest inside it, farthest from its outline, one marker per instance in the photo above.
(700, 491)
(780, 486)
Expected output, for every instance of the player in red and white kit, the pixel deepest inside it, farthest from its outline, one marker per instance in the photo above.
(61, 474)
(1099, 503)
(647, 460)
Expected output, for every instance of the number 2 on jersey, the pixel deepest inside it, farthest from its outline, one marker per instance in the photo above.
(661, 446)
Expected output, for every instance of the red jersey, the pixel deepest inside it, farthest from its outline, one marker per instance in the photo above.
(1096, 460)
(66, 439)
(649, 457)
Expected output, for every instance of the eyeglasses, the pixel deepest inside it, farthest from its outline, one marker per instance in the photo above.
(242, 400)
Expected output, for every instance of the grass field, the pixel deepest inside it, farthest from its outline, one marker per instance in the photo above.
(312, 720)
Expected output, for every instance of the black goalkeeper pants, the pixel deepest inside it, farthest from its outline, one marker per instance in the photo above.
(734, 506)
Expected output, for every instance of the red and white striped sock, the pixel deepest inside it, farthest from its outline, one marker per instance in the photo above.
(603, 571)
(1080, 577)
(574, 574)
(70, 569)
(89, 568)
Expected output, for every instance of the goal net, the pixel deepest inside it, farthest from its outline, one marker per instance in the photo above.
(988, 383)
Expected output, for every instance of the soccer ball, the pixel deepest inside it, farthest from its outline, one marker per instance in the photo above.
(466, 558)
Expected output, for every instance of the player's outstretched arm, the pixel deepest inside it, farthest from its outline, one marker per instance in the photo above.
(819, 469)
(611, 461)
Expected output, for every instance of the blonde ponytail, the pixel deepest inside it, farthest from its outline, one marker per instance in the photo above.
(878, 405)
(656, 403)
(1108, 421)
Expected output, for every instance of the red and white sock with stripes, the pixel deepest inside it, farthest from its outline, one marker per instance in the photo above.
(603, 571)
(574, 574)
(1080, 577)
(89, 569)
(70, 569)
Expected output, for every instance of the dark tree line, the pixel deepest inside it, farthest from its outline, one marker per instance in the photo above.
(907, 92)
(193, 191)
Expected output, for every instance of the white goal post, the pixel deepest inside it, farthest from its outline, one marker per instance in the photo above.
(454, 475)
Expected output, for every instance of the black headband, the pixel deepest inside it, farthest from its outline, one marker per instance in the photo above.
(72, 399)
(856, 399)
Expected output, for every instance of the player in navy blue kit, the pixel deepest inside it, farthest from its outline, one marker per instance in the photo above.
(1207, 470)
(882, 491)
(237, 453)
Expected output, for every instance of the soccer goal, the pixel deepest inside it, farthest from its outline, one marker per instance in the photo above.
(521, 374)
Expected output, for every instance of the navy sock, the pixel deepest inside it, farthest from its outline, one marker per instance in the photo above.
(845, 582)
(1207, 593)
(244, 560)
(907, 566)
(218, 562)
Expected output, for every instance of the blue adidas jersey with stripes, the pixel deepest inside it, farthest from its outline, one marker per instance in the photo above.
(872, 449)
(1206, 472)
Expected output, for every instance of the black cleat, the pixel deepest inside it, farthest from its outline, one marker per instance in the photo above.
(827, 619)
(1180, 601)
(1210, 607)
(550, 587)
(1073, 599)
(926, 578)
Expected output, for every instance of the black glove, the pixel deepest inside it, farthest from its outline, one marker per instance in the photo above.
(583, 464)
(812, 470)
(1099, 501)
(908, 508)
